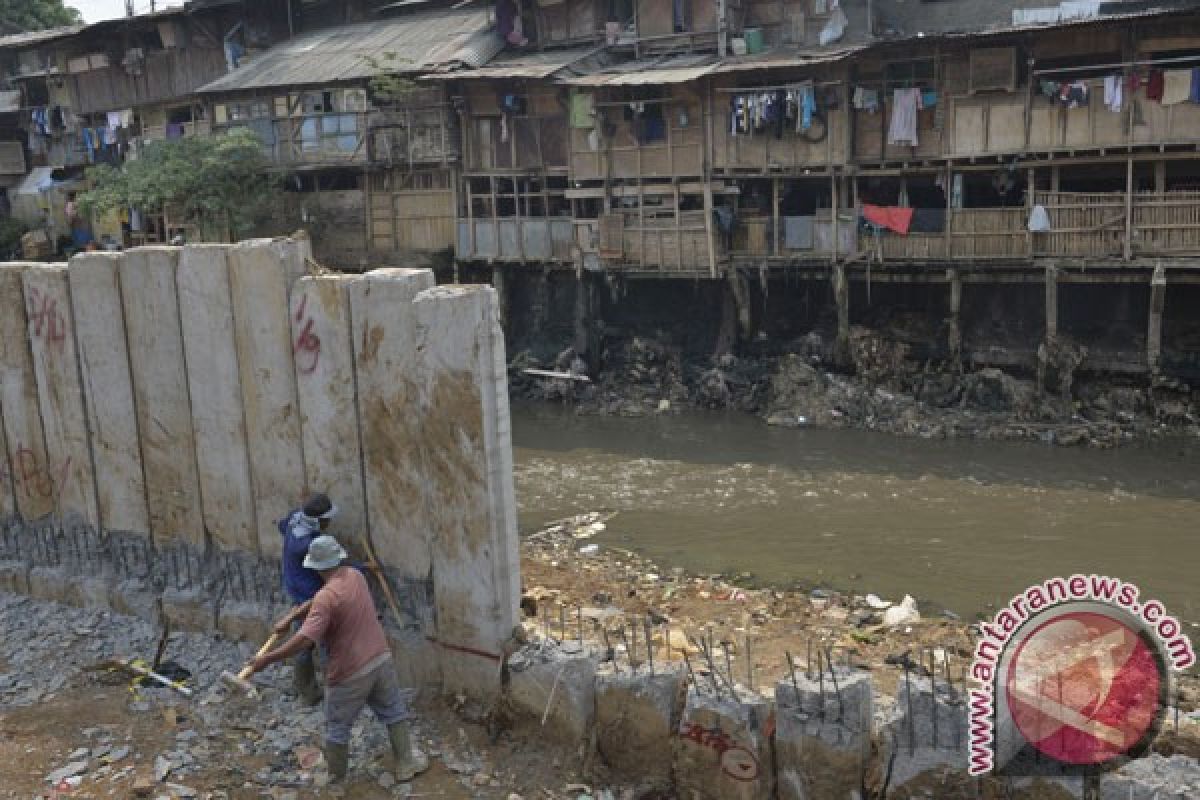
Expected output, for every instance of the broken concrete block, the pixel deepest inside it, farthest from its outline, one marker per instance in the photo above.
(188, 609)
(246, 622)
(1153, 777)
(54, 584)
(723, 747)
(823, 735)
(927, 730)
(14, 577)
(637, 716)
(553, 689)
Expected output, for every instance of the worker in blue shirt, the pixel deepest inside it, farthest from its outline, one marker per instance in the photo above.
(299, 528)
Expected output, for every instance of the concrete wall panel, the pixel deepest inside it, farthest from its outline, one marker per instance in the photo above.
(324, 357)
(108, 391)
(215, 389)
(468, 450)
(259, 278)
(8, 504)
(60, 396)
(33, 482)
(389, 394)
(160, 390)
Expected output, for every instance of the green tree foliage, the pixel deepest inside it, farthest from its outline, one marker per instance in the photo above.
(36, 15)
(388, 86)
(220, 183)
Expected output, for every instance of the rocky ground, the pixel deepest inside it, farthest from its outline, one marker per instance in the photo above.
(881, 388)
(565, 574)
(71, 726)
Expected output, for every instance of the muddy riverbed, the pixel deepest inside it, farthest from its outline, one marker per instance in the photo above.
(960, 524)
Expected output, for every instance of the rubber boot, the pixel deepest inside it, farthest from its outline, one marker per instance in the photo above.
(410, 762)
(337, 759)
(304, 681)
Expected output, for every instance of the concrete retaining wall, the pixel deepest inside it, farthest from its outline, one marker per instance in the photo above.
(162, 408)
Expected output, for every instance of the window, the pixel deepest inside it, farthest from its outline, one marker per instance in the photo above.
(336, 132)
(252, 109)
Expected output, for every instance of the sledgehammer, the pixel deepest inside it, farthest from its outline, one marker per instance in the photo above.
(242, 679)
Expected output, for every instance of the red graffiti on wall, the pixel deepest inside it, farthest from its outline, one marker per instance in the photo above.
(306, 349)
(737, 762)
(46, 321)
(35, 480)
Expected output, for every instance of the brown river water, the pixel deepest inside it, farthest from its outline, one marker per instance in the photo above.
(960, 525)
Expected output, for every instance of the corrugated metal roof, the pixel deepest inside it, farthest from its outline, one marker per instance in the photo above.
(422, 42)
(784, 59)
(649, 72)
(526, 65)
(37, 37)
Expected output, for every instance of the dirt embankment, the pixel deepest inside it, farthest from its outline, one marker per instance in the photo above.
(878, 386)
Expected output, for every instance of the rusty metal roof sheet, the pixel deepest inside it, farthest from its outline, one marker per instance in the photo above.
(525, 65)
(785, 58)
(427, 41)
(648, 72)
(30, 38)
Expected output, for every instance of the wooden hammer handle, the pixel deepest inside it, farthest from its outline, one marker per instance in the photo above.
(267, 645)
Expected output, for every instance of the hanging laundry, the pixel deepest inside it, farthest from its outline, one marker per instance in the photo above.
(808, 107)
(1039, 220)
(90, 143)
(903, 126)
(583, 109)
(928, 98)
(894, 218)
(1195, 93)
(1177, 86)
(1050, 89)
(1155, 85)
(865, 99)
(126, 117)
(114, 120)
(928, 220)
(1113, 88)
(1074, 94)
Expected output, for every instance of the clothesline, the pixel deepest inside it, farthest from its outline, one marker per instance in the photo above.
(778, 88)
(1154, 62)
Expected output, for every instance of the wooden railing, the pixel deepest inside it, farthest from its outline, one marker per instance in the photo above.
(667, 244)
(1081, 224)
(1166, 224)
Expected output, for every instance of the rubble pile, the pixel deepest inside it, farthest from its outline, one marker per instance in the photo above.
(886, 391)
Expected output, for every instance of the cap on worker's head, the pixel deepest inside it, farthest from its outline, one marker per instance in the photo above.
(324, 553)
(319, 506)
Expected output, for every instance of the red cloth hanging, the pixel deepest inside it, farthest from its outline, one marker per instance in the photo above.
(1154, 85)
(893, 218)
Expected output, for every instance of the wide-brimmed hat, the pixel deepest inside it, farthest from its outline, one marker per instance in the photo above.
(324, 553)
